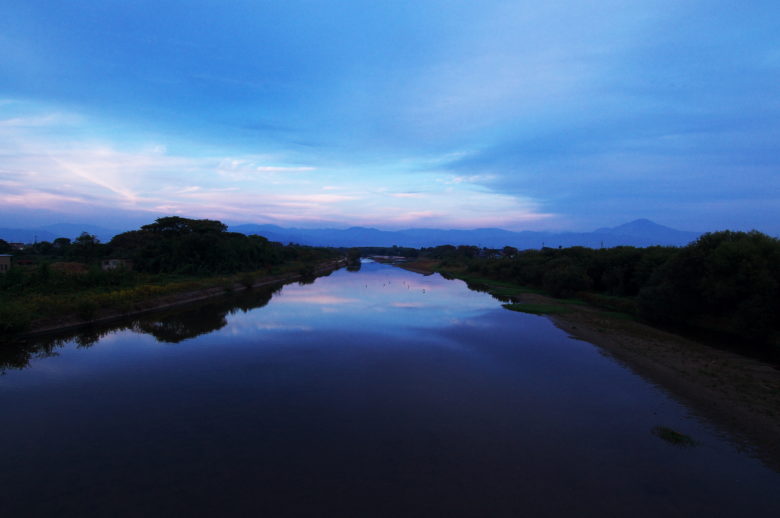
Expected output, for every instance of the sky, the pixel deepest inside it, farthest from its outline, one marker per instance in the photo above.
(555, 115)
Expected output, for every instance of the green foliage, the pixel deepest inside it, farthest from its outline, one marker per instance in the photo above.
(14, 318)
(86, 309)
(728, 279)
(353, 255)
(177, 226)
(86, 247)
(538, 309)
(247, 280)
(173, 255)
(203, 247)
(563, 278)
(728, 282)
(395, 250)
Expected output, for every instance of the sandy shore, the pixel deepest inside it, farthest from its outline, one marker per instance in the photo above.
(740, 394)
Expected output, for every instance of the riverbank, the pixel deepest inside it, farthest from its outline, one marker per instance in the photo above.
(209, 288)
(740, 394)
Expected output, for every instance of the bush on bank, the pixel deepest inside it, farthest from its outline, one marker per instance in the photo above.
(727, 282)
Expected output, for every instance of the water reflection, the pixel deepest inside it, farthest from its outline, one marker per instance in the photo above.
(371, 393)
(172, 325)
(178, 325)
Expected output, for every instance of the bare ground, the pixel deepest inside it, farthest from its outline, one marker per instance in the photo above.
(740, 394)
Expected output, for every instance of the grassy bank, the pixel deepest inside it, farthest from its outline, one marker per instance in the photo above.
(60, 301)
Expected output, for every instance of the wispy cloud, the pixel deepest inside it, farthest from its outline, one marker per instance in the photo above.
(283, 169)
(406, 195)
(491, 113)
(148, 177)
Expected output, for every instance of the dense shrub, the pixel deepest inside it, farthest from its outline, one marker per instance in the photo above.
(728, 279)
(725, 281)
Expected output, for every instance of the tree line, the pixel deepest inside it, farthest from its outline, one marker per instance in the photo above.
(174, 245)
(724, 281)
(171, 246)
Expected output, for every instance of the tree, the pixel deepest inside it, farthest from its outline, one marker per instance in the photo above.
(179, 226)
(725, 280)
(61, 245)
(86, 246)
(43, 248)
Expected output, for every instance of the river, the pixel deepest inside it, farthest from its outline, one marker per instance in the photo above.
(379, 392)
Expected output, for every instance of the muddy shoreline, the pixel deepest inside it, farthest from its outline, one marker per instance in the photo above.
(739, 394)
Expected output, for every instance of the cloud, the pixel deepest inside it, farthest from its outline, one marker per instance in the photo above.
(39, 121)
(456, 114)
(295, 297)
(49, 170)
(283, 169)
(406, 195)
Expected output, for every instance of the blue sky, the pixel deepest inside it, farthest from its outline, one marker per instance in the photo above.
(453, 114)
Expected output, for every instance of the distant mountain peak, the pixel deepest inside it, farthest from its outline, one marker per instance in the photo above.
(640, 232)
(641, 223)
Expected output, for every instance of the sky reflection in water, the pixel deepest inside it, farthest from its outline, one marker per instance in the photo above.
(371, 393)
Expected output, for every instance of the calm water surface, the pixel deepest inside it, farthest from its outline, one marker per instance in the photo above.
(371, 393)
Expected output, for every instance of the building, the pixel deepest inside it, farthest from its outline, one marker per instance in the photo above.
(5, 263)
(113, 264)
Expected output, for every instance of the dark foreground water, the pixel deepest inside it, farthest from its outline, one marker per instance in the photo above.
(371, 393)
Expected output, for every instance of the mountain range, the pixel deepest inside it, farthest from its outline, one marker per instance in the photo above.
(641, 232)
(52, 232)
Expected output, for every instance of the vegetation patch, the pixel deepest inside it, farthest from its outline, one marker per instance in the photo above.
(724, 282)
(510, 291)
(673, 437)
(171, 256)
(538, 309)
(618, 315)
(576, 302)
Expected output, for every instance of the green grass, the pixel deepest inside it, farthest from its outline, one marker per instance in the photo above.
(618, 315)
(612, 302)
(577, 302)
(538, 309)
(496, 287)
(673, 437)
(20, 308)
(509, 291)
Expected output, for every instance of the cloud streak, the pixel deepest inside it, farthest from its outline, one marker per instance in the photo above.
(56, 173)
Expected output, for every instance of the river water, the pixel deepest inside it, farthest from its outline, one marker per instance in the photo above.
(372, 393)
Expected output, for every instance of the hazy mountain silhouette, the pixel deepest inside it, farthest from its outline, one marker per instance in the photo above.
(641, 232)
(51, 232)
